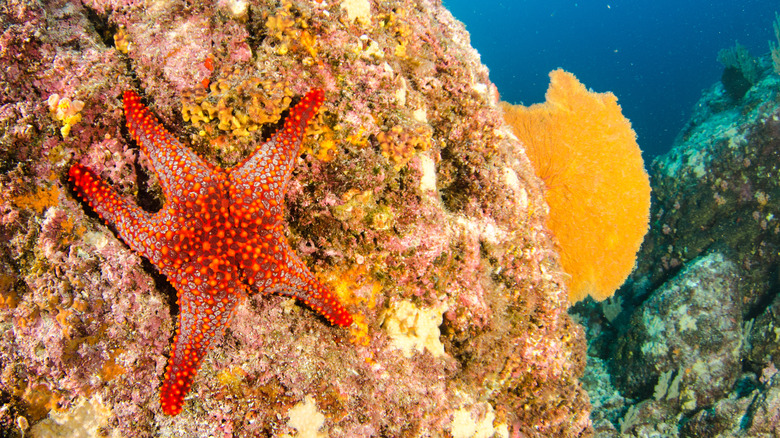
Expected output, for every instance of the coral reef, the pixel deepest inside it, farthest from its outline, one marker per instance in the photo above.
(690, 342)
(412, 200)
(598, 191)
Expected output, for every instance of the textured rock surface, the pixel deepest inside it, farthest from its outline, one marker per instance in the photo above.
(412, 200)
(718, 189)
(690, 342)
(690, 326)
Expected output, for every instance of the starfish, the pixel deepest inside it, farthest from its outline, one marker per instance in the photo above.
(219, 236)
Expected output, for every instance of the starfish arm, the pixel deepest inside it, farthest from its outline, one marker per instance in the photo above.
(178, 168)
(132, 223)
(219, 233)
(260, 182)
(206, 305)
(295, 280)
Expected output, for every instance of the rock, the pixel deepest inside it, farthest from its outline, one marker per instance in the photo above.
(690, 326)
(410, 189)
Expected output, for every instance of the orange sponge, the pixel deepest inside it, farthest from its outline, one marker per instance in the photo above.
(598, 191)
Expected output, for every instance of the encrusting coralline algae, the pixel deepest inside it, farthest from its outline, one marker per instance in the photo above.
(411, 193)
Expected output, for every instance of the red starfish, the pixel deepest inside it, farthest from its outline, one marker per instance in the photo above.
(219, 234)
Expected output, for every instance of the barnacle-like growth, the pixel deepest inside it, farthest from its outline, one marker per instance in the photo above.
(122, 40)
(66, 111)
(326, 148)
(397, 22)
(288, 32)
(235, 110)
(8, 296)
(400, 145)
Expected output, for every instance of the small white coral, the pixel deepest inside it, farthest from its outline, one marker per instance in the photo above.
(465, 426)
(83, 420)
(359, 10)
(306, 419)
(414, 329)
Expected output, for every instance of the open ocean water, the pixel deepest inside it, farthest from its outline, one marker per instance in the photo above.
(655, 56)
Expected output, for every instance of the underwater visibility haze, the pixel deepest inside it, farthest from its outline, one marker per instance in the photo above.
(655, 56)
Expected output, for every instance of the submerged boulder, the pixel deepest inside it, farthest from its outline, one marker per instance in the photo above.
(412, 200)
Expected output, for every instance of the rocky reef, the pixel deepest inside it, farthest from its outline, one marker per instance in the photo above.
(689, 347)
(412, 200)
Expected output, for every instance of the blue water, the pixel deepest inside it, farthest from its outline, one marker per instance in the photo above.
(656, 56)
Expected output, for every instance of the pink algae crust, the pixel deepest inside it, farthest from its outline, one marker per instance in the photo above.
(411, 193)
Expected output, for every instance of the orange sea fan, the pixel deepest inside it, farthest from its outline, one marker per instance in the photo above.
(598, 191)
